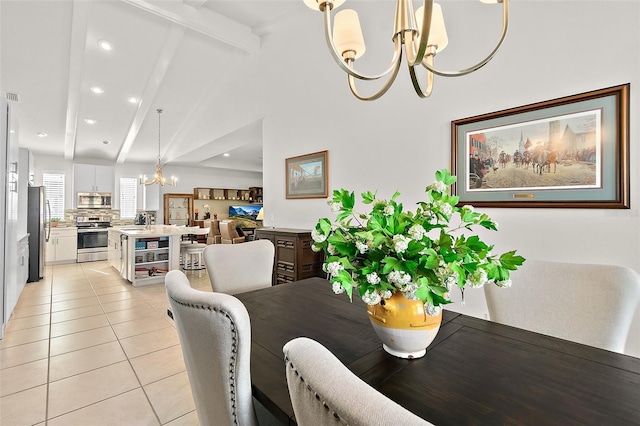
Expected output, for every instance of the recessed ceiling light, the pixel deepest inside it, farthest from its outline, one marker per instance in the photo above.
(41, 135)
(226, 154)
(133, 100)
(106, 142)
(97, 90)
(90, 120)
(106, 45)
(12, 131)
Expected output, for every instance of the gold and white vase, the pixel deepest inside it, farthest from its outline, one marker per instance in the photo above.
(404, 327)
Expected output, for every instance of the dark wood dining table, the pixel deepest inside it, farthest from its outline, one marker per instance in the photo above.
(476, 372)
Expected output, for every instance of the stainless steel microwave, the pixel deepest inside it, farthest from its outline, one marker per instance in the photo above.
(94, 200)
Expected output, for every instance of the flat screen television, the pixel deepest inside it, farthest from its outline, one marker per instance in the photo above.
(245, 213)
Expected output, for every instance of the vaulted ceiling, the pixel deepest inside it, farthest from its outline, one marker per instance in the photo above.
(169, 54)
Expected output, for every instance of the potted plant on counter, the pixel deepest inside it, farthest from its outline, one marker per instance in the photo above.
(54, 221)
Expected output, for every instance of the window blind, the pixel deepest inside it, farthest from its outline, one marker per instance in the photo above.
(54, 184)
(128, 194)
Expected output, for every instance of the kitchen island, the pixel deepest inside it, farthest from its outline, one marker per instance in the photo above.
(144, 255)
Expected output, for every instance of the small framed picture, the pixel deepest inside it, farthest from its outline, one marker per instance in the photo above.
(307, 176)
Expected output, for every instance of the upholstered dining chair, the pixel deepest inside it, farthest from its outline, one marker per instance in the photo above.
(585, 303)
(238, 268)
(322, 391)
(215, 336)
(229, 233)
(214, 235)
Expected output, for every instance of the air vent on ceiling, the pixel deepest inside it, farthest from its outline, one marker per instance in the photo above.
(12, 97)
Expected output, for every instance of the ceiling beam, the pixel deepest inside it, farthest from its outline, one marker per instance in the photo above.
(199, 110)
(195, 3)
(204, 21)
(154, 82)
(248, 134)
(79, 24)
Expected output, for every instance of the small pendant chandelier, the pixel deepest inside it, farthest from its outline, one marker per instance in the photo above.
(158, 178)
(422, 34)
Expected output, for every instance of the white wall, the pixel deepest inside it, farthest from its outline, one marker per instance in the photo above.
(553, 49)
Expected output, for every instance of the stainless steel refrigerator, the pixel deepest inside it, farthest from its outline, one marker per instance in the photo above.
(39, 229)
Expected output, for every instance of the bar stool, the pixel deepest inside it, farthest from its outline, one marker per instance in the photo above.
(188, 232)
(192, 259)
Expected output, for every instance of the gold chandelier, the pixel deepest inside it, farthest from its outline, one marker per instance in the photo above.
(422, 33)
(158, 178)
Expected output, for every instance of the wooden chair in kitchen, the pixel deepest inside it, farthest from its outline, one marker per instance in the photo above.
(215, 337)
(239, 268)
(229, 233)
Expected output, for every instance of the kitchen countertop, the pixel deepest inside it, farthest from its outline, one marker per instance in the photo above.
(154, 231)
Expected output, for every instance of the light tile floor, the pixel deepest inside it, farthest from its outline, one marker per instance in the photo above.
(85, 347)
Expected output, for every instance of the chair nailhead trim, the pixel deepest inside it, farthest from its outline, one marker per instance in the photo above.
(232, 358)
(317, 396)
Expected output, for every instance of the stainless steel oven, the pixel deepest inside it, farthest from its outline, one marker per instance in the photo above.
(93, 237)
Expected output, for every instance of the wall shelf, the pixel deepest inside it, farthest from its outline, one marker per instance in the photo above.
(251, 195)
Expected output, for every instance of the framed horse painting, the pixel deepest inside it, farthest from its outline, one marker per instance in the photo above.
(565, 152)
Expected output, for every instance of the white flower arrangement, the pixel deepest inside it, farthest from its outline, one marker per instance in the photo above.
(418, 253)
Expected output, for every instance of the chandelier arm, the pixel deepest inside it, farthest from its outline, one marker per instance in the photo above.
(505, 26)
(395, 61)
(416, 84)
(415, 58)
(379, 93)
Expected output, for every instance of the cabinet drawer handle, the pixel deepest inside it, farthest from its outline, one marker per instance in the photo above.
(284, 278)
(285, 266)
(285, 244)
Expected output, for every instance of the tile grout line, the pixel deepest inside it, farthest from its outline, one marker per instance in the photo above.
(46, 404)
(125, 352)
(126, 356)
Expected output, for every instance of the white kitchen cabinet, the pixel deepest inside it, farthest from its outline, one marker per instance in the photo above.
(151, 259)
(25, 177)
(62, 246)
(23, 262)
(93, 178)
(148, 253)
(114, 252)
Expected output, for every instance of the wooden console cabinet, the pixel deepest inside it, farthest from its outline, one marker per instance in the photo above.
(294, 259)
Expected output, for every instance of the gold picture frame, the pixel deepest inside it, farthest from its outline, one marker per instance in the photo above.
(307, 176)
